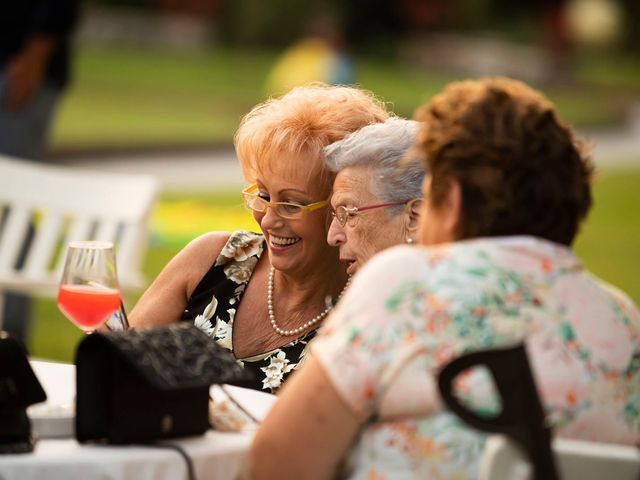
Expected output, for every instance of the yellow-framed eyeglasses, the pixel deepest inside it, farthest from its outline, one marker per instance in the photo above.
(255, 202)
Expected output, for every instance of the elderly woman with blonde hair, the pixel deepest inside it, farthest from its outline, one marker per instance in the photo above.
(263, 296)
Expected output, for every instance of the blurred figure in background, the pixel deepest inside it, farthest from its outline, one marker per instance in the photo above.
(376, 199)
(35, 37)
(556, 40)
(35, 57)
(321, 56)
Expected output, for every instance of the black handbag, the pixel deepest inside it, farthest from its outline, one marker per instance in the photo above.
(19, 388)
(143, 385)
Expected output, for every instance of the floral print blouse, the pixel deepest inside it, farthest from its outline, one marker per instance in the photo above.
(412, 309)
(213, 304)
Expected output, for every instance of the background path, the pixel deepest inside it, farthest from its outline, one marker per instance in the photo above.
(209, 170)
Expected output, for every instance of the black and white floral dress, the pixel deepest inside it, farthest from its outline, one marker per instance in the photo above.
(213, 304)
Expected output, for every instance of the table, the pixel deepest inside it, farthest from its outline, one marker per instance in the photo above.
(216, 455)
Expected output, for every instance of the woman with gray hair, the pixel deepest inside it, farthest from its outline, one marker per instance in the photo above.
(376, 196)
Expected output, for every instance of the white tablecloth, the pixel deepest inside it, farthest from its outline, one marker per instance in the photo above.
(216, 455)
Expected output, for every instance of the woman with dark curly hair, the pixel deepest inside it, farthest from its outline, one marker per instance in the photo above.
(506, 191)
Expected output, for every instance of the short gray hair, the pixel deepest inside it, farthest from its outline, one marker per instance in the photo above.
(382, 147)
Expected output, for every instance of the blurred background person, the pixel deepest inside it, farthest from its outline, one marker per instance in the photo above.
(35, 57)
(321, 56)
(376, 197)
(556, 37)
(507, 189)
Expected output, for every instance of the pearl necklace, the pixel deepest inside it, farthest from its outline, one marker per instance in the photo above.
(295, 331)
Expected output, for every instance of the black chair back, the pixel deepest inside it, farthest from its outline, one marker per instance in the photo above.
(522, 416)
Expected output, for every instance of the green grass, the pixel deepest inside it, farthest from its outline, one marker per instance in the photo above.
(608, 245)
(127, 97)
(610, 241)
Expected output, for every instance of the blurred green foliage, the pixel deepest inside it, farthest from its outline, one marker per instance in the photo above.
(378, 23)
(276, 23)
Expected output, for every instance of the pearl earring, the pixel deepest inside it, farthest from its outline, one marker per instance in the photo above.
(409, 240)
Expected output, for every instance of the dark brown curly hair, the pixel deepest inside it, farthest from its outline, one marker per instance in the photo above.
(520, 168)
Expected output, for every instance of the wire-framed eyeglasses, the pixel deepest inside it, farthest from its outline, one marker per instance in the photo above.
(255, 202)
(343, 214)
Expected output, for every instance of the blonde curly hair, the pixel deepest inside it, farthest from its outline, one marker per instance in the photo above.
(288, 133)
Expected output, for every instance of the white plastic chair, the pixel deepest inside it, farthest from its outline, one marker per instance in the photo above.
(575, 460)
(64, 204)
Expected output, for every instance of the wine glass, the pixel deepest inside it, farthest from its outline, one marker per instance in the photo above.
(89, 292)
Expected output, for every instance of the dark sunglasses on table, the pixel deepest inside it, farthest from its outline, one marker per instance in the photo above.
(255, 202)
(343, 214)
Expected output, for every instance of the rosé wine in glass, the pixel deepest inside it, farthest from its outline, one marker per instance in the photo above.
(89, 292)
(86, 306)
